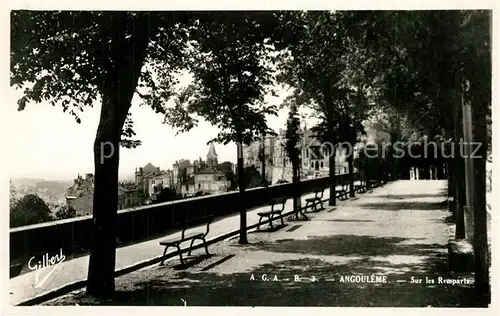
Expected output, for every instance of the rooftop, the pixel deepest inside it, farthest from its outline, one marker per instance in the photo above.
(209, 170)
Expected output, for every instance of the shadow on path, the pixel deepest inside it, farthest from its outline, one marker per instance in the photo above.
(200, 288)
(398, 206)
(328, 258)
(238, 289)
(346, 220)
(350, 245)
(409, 196)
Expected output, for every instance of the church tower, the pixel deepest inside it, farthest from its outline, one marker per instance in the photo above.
(212, 156)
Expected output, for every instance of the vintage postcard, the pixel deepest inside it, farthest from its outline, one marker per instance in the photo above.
(289, 158)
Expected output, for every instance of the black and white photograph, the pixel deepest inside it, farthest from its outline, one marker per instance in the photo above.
(250, 158)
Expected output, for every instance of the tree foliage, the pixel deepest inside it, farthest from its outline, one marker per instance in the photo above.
(252, 177)
(12, 194)
(227, 168)
(65, 57)
(167, 194)
(232, 72)
(292, 136)
(421, 60)
(72, 59)
(29, 210)
(65, 211)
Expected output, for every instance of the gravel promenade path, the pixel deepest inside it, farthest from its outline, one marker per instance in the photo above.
(386, 247)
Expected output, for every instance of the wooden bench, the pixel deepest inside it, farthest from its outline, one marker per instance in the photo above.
(360, 188)
(374, 184)
(343, 192)
(187, 236)
(279, 203)
(314, 201)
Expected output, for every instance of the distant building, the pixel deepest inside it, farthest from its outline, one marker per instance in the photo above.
(165, 179)
(129, 196)
(188, 187)
(143, 176)
(252, 152)
(313, 155)
(211, 180)
(179, 171)
(80, 196)
(212, 160)
(82, 204)
(206, 177)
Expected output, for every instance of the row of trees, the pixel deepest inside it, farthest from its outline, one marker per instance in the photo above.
(345, 66)
(434, 71)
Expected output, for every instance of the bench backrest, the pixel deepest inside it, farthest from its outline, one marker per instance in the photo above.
(278, 203)
(345, 186)
(207, 220)
(318, 193)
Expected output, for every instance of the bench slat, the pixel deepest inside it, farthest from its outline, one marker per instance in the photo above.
(268, 213)
(313, 199)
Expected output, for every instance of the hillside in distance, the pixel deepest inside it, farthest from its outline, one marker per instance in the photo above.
(49, 190)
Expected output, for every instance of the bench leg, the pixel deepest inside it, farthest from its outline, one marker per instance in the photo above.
(164, 254)
(206, 246)
(300, 211)
(282, 222)
(303, 214)
(271, 221)
(191, 247)
(321, 204)
(260, 220)
(305, 217)
(308, 204)
(180, 254)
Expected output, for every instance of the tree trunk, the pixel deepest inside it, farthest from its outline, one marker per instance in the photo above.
(333, 182)
(426, 170)
(117, 90)
(241, 185)
(393, 160)
(469, 170)
(458, 167)
(296, 189)
(459, 199)
(480, 241)
(264, 180)
(440, 170)
(350, 161)
(368, 171)
(451, 177)
(103, 254)
(378, 170)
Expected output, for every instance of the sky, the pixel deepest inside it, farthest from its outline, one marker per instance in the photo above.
(46, 143)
